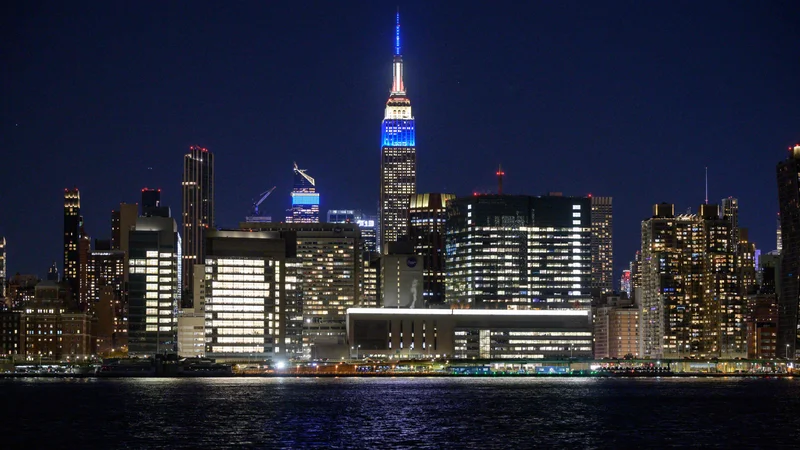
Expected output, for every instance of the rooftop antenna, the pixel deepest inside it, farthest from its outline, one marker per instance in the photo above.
(500, 174)
(706, 185)
(397, 33)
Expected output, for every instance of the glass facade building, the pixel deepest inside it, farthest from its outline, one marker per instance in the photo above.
(154, 286)
(519, 252)
(323, 275)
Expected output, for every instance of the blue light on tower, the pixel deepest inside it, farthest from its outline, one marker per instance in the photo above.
(398, 133)
(304, 198)
(397, 35)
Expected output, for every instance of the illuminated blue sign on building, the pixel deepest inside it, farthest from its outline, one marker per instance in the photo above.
(299, 198)
(398, 133)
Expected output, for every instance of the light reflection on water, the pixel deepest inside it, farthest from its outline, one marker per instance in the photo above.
(400, 413)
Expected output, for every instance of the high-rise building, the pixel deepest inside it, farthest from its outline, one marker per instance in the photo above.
(779, 241)
(616, 329)
(788, 172)
(745, 262)
(691, 302)
(369, 232)
(245, 295)
(154, 285)
(108, 291)
(398, 155)
(198, 208)
(324, 276)
(602, 246)
(519, 252)
(625, 283)
(427, 219)
(636, 278)
(305, 198)
(72, 235)
(123, 220)
(3, 268)
(730, 212)
(86, 296)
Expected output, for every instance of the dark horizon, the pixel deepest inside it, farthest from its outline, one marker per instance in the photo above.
(626, 100)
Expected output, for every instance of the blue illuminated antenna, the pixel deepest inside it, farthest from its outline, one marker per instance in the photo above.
(397, 34)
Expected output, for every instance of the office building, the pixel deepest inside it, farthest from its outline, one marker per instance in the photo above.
(191, 322)
(198, 209)
(788, 172)
(401, 276)
(616, 329)
(427, 221)
(324, 278)
(154, 286)
(245, 301)
(470, 334)
(519, 252)
(398, 156)
(305, 198)
(691, 302)
(72, 235)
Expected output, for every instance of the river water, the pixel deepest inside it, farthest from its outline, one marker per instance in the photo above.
(399, 413)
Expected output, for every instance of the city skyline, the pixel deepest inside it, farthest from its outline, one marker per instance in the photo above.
(459, 159)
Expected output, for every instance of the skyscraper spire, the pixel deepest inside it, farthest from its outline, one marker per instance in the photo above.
(397, 67)
(397, 34)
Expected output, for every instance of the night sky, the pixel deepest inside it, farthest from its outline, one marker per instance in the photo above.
(627, 99)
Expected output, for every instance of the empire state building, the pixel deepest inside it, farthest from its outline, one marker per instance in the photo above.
(398, 155)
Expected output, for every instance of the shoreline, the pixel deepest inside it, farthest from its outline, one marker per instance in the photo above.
(412, 375)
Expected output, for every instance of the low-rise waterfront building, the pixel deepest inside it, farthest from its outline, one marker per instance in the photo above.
(469, 333)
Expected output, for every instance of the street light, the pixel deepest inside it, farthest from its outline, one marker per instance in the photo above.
(787, 351)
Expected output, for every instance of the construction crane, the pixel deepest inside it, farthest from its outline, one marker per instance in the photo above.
(302, 172)
(263, 196)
